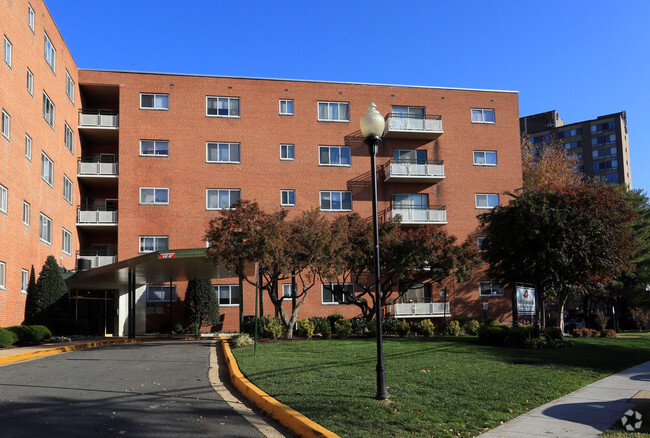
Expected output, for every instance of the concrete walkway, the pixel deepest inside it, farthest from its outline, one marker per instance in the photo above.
(585, 413)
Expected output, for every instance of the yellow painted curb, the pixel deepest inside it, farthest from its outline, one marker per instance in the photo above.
(288, 417)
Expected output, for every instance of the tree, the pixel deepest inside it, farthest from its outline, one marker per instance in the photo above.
(548, 163)
(45, 304)
(567, 241)
(201, 304)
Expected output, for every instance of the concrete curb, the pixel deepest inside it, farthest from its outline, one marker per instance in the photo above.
(288, 417)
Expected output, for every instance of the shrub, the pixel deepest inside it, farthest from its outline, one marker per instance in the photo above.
(241, 340)
(322, 326)
(535, 343)
(266, 327)
(305, 328)
(553, 333)
(343, 328)
(388, 326)
(428, 328)
(358, 325)
(165, 327)
(491, 322)
(602, 320)
(372, 329)
(517, 335)
(471, 327)
(41, 332)
(273, 328)
(589, 333)
(333, 319)
(24, 333)
(453, 328)
(7, 337)
(607, 333)
(402, 328)
(493, 335)
(576, 333)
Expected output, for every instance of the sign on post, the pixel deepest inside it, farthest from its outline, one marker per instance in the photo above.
(526, 300)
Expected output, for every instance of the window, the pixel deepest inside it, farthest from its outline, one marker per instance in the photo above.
(69, 138)
(605, 139)
(487, 200)
(6, 124)
(336, 201)
(489, 289)
(66, 242)
(30, 17)
(288, 198)
(227, 294)
(573, 144)
(286, 107)
(47, 168)
(154, 196)
(485, 158)
(50, 53)
(482, 115)
(218, 199)
(222, 106)
(48, 110)
(154, 101)
(603, 153)
(45, 229)
(154, 243)
(480, 241)
(67, 189)
(286, 291)
(7, 51)
(3, 199)
(26, 208)
(154, 148)
(2, 275)
(69, 86)
(28, 147)
(602, 127)
(334, 155)
(30, 82)
(570, 133)
(409, 156)
(287, 152)
(605, 165)
(334, 111)
(611, 178)
(222, 152)
(160, 294)
(24, 280)
(336, 293)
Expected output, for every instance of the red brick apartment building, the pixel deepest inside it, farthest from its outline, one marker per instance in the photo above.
(151, 158)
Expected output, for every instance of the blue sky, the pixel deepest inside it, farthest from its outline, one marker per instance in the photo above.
(581, 58)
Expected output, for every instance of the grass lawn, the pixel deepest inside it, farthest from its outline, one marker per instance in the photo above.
(438, 386)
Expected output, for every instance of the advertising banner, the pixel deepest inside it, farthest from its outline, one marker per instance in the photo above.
(525, 300)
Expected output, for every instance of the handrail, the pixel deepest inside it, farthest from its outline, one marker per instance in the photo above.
(413, 161)
(413, 116)
(99, 112)
(96, 253)
(411, 206)
(96, 160)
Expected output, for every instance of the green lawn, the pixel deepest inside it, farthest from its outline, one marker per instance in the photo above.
(439, 386)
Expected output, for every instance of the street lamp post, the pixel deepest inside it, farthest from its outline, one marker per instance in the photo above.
(372, 128)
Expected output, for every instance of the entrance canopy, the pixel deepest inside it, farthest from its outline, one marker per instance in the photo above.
(154, 267)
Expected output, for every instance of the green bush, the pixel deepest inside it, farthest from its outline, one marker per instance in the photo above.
(273, 328)
(518, 335)
(333, 319)
(358, 325)
(42, 332)
(535, 343)
(343, 328)
(372, 329)
(553, 332)
(241, 340)
(402, 328)
(322, 326)
(453, 328)
(607, 333)
(493, 335)
(305, 328)
(7, 337)
(25, 333)
(388, 326)
(471, 327)
(267, 327)
(428, 328)
(491, 322)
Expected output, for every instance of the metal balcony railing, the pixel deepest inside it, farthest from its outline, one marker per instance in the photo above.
(414, 170)
(419, 310)
(98, 119)
(419, 214)
(412, 125)
(96, 217)
(96, 167)
(96, 258)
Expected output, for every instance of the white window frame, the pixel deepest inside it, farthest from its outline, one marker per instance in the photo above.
(49, 55)
(49, 110)
(155, 148)
(155, 102)
(155, 243)
(217, 291)
(288, 193)
(228, 100)
(341, 192)
(329, 163)
(230, 192)
(482, 113)
(24, 280)
(287, 103)
(7, 51)
(496, 290)
(286, 290)
(329, 112)
(334, 303)
(47, 161)
(68, 140)
(485, 163)
(69, 86)
(66, 241)
(218, 144)
(3, 272)
(30, 82)
(6, 124)
(151, 297)
(284, 152)
(486, 197)
(26, 212)
(67, 189)
(4, 199)
(28, 147)
(45, 230)
(480, 241)
(155, 193)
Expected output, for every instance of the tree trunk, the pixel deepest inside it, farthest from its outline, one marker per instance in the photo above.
(560, 309)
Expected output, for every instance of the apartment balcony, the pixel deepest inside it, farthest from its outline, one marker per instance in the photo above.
(425, 127)
(98, 172)
(98, 119)
(414, 171)
(419, 310)
(420, 214)
(94, 259)
(96, 218)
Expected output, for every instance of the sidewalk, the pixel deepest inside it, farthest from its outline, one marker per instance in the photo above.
(585, 413)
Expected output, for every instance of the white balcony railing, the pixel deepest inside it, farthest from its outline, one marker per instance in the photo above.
(96, 168)
(413, 126)
(98, 260)
(419, 310)
(98, 119)
(432, 171)
(96, 217)
(417, 216)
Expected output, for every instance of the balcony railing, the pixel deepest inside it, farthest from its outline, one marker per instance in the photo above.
(96, 167)
(414, 170)
(96, 217)
(419, 310)
(413, 126)
(95, 258)
(98, 119)
(420, 214)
